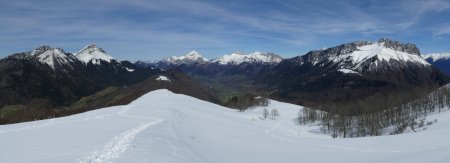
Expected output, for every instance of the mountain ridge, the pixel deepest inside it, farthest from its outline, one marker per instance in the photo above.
(351, 72)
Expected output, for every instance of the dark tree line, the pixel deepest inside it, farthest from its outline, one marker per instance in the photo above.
(339, 123)
(246, 101)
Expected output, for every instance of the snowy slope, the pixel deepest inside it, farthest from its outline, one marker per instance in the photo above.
(255, 57)
(165, 127)
(93, 54)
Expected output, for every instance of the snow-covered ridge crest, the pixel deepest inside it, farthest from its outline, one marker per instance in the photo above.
(255, 57)
(93, 54)
(436, 56)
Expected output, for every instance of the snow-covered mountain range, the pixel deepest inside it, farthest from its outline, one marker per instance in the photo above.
(238, 57)
(52, 56)
(433, 57)
(192, 57)
(235, 58)
(383, 65)
(356, 57)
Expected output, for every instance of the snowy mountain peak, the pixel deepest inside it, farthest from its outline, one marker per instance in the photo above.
(191, 57)
(93, 54)
(436, 56)
(51, 56)
(255, 57)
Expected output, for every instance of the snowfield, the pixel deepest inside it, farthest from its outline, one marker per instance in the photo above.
(165, 127)
(163, 78)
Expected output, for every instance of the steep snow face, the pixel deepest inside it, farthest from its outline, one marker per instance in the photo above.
(93, 54)
(436, 56)
(162, 126)
(51, 56)
(191, 57)
(238, 57)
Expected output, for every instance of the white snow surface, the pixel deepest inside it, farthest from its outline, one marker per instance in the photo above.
(238, 58)
(347, 71)
(163, 78)
(437, 56)
(50, 57)
(164, 127)
(129, 69)
(378, 49)
(93, 54)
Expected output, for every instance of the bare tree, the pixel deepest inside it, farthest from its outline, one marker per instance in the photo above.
(265, 113)
(274, 113)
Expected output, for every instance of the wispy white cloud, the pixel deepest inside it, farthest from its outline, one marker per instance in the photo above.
(164, 28)
(441, 31)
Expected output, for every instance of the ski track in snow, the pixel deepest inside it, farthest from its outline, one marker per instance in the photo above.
(114, 147)
(117, 145)
(275, 126)
(120, 143)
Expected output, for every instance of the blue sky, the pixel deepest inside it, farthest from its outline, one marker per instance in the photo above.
(148, 30)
